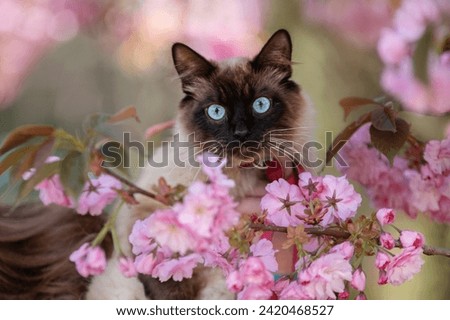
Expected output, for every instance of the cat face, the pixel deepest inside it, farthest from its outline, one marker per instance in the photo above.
(241, 108)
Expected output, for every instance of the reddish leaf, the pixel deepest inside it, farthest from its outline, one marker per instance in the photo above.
(352, 103)
(124, 114)
(35, 158)
(23, 134)
(383, 119)
(15, 156)
(388, 142)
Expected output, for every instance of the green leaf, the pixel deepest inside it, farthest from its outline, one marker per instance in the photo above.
(23, 134)
(45, 171)
(420, 56)
(68, 142)
(350, 104)
(73, 173)
(383, 119)
(388, 142)
(15, 156)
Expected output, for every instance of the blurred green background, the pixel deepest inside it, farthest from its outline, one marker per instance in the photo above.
(79, 77)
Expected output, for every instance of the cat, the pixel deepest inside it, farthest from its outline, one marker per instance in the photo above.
(238, 109)
(231, 107)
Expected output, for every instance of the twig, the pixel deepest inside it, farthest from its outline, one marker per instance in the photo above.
(133, 188)
(319, 231)
(341, 234)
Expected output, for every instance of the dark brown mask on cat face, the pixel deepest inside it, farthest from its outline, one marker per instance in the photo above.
(240, 107)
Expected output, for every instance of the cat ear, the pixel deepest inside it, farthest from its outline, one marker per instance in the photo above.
(189, 64)
(276, 53)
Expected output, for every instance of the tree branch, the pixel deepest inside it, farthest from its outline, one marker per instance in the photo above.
(341, 234)
(133, 188)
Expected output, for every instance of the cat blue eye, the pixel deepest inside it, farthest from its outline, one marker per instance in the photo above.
(216, 112)
(261, 105)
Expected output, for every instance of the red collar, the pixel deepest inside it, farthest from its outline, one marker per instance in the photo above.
(275, 171)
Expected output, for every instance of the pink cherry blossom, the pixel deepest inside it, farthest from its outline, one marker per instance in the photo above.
(199, 209)
(341, 197)
(387, 241)
(382, 260)
(145, 263)
(410, 238)
(437, 154)
(89, 261)
(126, 267)
(326, 276)
(404, 266)
(51, 191)
(177, 269)
(255, 292)
(343, 295)
(392, 47)
(283, 203)
(385, 216)
(361, 296)
(293, 291)
(168, 231)
(235, 282)
(358, 280)
(382, 278)
(263, 249)
(140, 237)
(254, 272)
(346, 249)
(97, 194)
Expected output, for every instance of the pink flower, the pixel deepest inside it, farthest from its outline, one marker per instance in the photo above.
(51, 191)
(97, 194)
(126, 267)
(343, 295)
(341, 197)
(167, 231)
(358, 280)
(254, 272)
(283, 203)
(199, 209)
(263, 249)
(437, 154)
(234, 282)
(392, 47)
(361, 296)
(89, 261)
(140, 238)
(404, 265)
(145, 263)
(177, 269)
(412, 239)
(326, 276)
(387, 241)
(346, 249)
(293, 291)
(255, 292)
(385, 216)
(382, 260)
(382, 278)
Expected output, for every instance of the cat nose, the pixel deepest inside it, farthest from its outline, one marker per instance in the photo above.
(240, 131)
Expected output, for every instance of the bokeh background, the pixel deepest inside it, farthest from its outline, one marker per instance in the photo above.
(61, 60)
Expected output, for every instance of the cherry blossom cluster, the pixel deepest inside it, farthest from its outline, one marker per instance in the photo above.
(397, 46)
(412, 185)
(171, 242)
